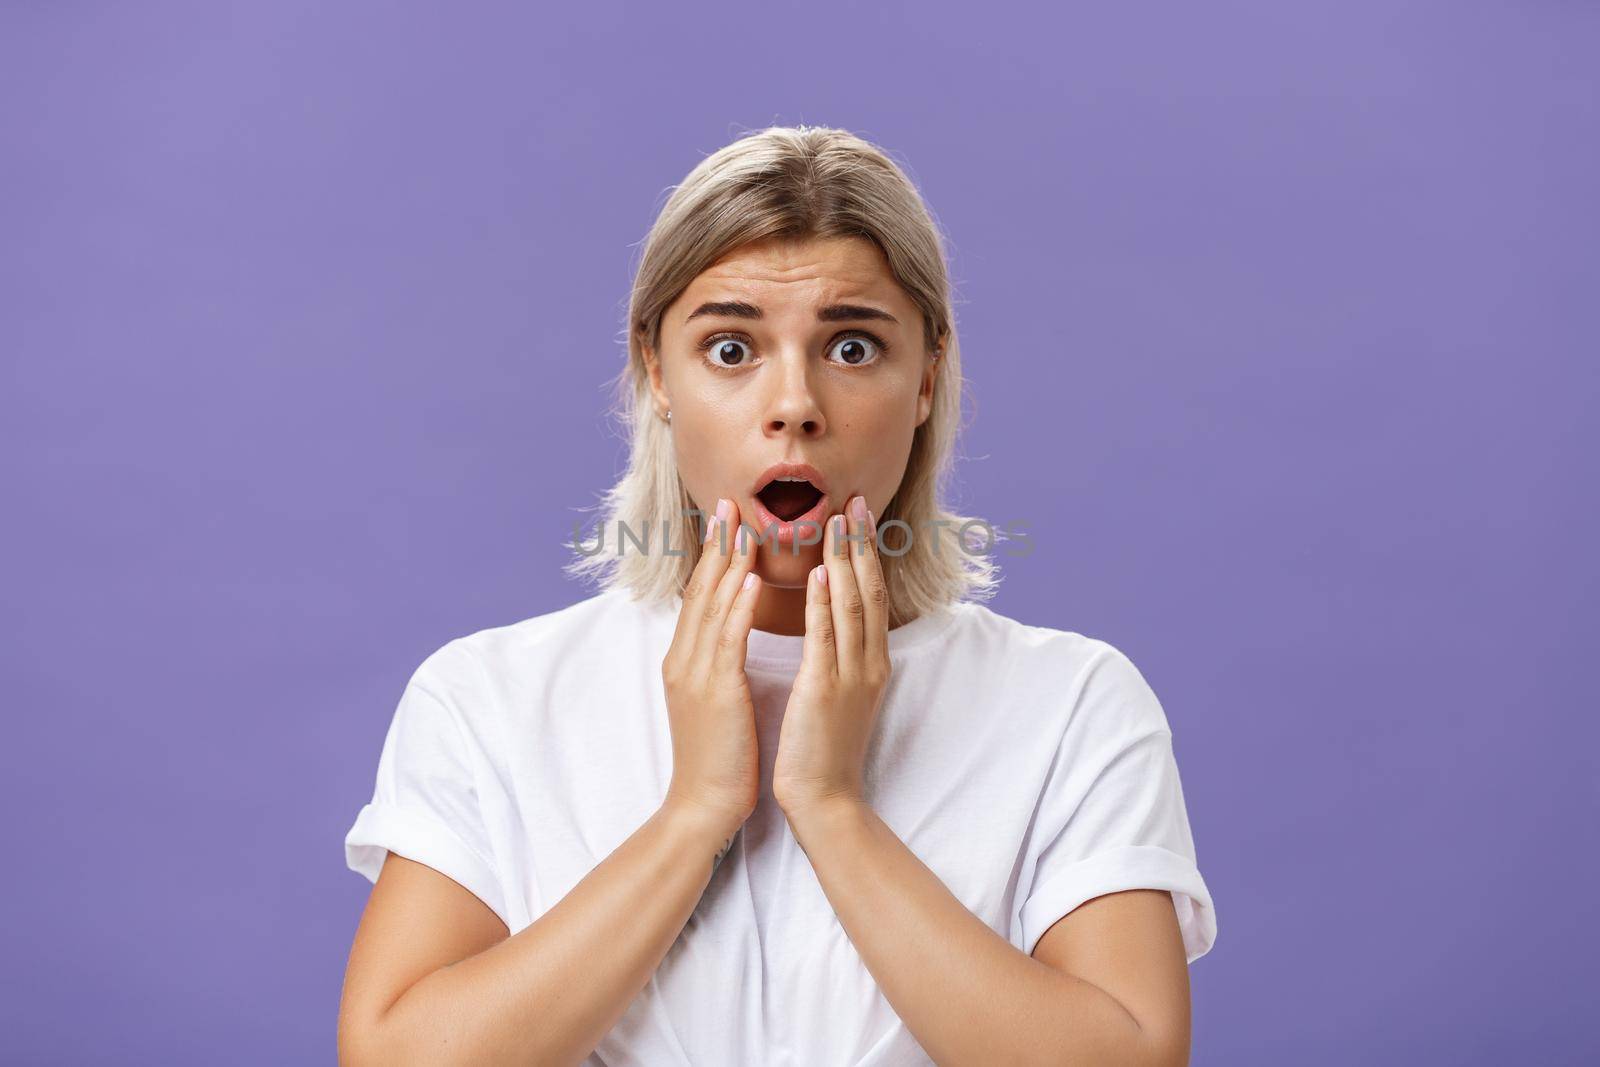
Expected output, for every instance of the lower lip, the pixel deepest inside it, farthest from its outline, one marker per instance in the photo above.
(788, 533)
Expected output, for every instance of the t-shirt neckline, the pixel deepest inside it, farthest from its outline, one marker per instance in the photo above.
(764, 649)
(784, 651)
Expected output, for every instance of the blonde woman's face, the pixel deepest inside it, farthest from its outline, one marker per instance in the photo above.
(805, 352)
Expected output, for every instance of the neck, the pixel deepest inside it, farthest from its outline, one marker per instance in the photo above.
(781, 611)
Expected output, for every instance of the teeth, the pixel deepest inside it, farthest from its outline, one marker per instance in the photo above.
(791, 479)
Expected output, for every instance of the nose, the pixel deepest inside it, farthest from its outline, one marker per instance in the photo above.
(792, 406)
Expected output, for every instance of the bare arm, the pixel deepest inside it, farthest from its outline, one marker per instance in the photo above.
(1107, 984)
(434, 977)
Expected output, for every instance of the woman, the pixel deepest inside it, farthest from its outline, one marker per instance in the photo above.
(781, 792)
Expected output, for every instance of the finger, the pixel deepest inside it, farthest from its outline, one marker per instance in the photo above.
(874, 591)
(818, 650)
(704, 577)
(740, 563)
(845, 597)
(734, 641)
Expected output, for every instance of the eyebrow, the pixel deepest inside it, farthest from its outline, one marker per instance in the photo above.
(738, 309)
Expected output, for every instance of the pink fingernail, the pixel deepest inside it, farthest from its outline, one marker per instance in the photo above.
(822, 575)
(858, 507)
(723, 507)
(750, 579)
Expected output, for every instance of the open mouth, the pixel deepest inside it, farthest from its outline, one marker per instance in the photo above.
(789, 498)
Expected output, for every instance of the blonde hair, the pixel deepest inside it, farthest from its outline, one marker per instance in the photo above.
(790, 182)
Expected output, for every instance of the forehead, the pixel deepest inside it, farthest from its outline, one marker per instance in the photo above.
(804, 270)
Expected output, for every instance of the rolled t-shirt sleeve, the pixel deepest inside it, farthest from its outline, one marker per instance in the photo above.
(426, 804)
(1112, 814)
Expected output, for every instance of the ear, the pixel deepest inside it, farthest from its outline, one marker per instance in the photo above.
(652, 366)
(930, 375)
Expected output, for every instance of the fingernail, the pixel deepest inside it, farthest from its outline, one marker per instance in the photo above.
(722, 508)
(858, 507)
(744, 536)
(750, 579)
(711, 529)
(822, 574)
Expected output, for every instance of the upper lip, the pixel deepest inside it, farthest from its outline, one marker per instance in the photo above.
(790, 470)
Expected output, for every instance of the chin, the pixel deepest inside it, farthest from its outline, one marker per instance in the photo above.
(781, 566)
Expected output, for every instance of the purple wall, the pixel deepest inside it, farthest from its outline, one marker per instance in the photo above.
(1280, 324)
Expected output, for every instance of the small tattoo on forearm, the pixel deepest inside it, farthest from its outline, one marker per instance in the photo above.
(726, 845)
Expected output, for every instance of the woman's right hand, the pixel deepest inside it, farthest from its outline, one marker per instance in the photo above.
(716, 764)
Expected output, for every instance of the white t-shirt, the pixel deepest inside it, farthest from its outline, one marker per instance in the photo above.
(1030, 768)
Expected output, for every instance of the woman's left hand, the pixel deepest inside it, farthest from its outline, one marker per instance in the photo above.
(844, 669)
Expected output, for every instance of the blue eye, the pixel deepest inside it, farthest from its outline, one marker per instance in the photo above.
(858, 349)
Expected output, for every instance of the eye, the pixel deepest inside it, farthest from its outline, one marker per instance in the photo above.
(726, 353)
(858, 349)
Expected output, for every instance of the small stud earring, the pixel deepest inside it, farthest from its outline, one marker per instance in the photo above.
(669, 416)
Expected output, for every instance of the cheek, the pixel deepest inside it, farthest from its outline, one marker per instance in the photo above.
(691, 458)
(889, 413)
(882, 436)
(706, 466)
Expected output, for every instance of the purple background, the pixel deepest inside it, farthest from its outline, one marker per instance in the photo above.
(1280, 326)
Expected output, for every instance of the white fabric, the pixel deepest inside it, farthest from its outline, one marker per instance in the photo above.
(1031, 769)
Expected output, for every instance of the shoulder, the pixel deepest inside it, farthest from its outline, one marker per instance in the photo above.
(470, 669)
(1079, 677)
(1064, 656)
